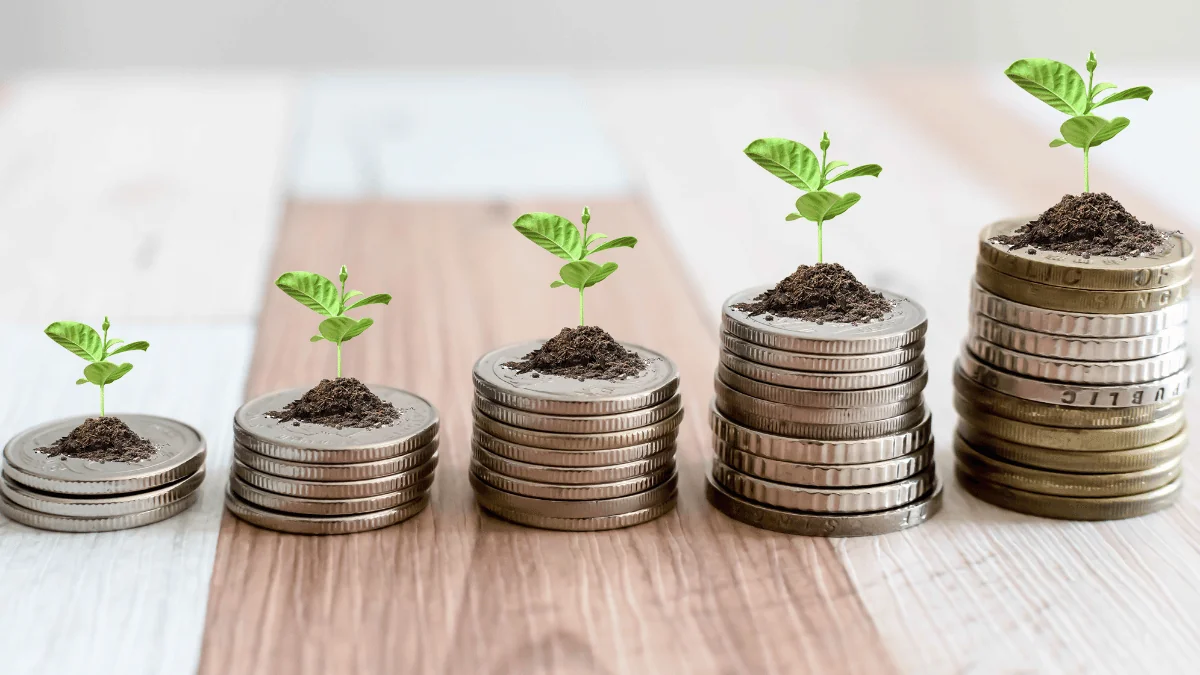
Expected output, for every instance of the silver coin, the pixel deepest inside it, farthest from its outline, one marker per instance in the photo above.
(557, 395)
(563, 508)
(849, 363)
(1077, 348)
(555, 441)
(1080, 372)
(180, 454)
(800, 451)
(904, 325)
(44, 521)
(1078, 324)
(572, 475)
(351, 489)
(817, 398)
(822, 524)
(72, 506)
(571, 458)
(317, 444)
(579, 424)
(825, 475)
(327, 507)
(731, 399)
(592, 492)
(1076, 396)
(823, 381)
(582, 524)
(335, 472)
(824, 500)
(295, 524)
(818, 432)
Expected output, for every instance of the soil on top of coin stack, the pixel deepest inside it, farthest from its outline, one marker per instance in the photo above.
(825, 292)
(339, 403)
(1089, 224)
(102, 439)
(582, 353)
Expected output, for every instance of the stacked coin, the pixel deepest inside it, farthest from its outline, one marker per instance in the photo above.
(313, 479)
(1070, 386)
(821, 429)
(567, 454)
(76, 495)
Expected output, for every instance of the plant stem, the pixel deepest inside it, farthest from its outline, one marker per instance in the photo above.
(581, 307)
(820, 252)
(102, 400)
(1087, 181)
(339, 348)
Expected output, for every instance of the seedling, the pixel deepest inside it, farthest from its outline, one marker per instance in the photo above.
(798, 167)
(560, 237)
(83, 341)
(320, 295)
(1061, 87)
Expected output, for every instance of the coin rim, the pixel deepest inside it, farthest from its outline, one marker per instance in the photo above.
(108, 506)
(597, 524)
(785, 412)
(1072, 300)
(1137, 371)
(585, 442)
(824, 398)
(823, 499)
(1077, 348)
(350, 489)
(1066, 438)
(825, 475)
(572, 492)
(1073, 461)
(823, 381)
(590, 475)
(334, 472)
(55, 523)
(578, 424)
(1085, 324)
(323, 525)
(305, 506)
(575, 509)
(566, 459)
(1071, 508)
(835, 363)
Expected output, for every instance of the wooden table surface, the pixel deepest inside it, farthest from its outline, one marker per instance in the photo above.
(169, 202)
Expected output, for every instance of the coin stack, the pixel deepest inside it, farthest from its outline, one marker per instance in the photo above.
(564, 454)
(1070, 386)
(821, 429)
(307, 478)
(77, 495)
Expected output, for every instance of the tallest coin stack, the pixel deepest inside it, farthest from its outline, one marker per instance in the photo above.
(1070, 386)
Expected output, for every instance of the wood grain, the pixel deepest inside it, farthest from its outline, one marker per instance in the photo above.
(456, 591)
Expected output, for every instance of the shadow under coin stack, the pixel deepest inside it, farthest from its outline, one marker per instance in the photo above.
(308, 478)
(72, 494)
(821, 429)
(1070, 386)
(564, 454)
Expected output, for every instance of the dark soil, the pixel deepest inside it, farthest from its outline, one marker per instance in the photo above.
(339, 403)
(102, 439)
(1089, 224)
(582, 353)
(825, 292)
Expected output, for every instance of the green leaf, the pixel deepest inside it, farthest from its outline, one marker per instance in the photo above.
(104, 372)
(315, 338)
(82, 380)
(864, 170)
(849, 199)
(111, 343)
(1127, 94)
(822, 206)
(377, 299)
(311, 290)
(794, 163)
(793, 216)
(1054, 83)
(553, 233)
(140, 345)
(339, 329)
(584, 273)
(619, 242)
(79, 339)
(1057, 142)
(1099, 87)
(359, 328)
(1089, 131)
(836, 164)
(350, 294)
(601, 274)
(593, 237)
(556, 284)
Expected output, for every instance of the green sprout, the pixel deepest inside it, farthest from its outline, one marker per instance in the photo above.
(798, 167)
(560, 237)
(83, 341)
(1061, 87)
(320, 295)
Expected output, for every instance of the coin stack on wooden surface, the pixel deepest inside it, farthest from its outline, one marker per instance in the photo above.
(821, 428)
(307, 478)
(1070, 386)
(71, 494)
(565, 454)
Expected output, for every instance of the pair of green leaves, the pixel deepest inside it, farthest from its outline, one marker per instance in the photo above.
(88, 344)
(562, 238)
(799, 167)
(319, 294)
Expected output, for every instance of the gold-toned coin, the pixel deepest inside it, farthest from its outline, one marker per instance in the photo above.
(1073, 461)
(1064, 484)
(1061, 438)
(1071, 508)
(1075, 300)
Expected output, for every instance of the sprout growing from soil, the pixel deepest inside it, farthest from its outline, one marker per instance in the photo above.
(560, 237)
(320, 295)
(798, 166)
(83, 341)
(1061, 87)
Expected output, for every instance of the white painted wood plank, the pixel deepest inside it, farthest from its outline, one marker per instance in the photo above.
(125, 602)
(139, 196)
(457, 136)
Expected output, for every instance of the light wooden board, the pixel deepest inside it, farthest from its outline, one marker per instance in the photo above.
(455, 591)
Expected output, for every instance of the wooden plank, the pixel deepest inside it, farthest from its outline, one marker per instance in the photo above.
(455, 591)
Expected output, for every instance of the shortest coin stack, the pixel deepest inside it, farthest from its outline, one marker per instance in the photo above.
(564, 454)
(78, 495)
(821, 429)
(307, 478)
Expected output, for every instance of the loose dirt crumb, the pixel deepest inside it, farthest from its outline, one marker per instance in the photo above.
(582, 353)
(825, 292)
